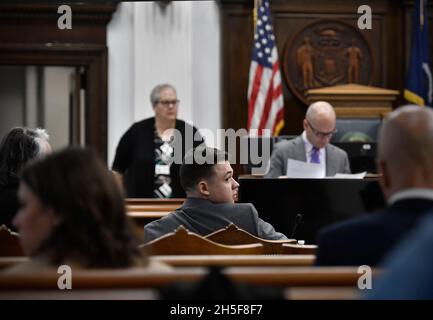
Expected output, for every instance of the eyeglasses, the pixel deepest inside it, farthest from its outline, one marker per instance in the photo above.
(167, 103)
(319, 133)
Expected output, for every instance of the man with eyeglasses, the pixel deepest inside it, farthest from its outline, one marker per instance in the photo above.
(312, 145)
(145, 156)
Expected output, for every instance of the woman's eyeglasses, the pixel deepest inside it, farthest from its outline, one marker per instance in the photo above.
(167, 103)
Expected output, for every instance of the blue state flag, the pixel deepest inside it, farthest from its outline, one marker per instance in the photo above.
(419, 83)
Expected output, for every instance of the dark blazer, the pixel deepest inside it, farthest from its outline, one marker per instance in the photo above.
(337, 160)
(8, 202)
(409, 267)
(367, 239)
(202, 216)
(135, 157)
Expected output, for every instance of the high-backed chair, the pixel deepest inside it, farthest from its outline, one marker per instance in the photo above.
(183, 242)
(356, 129)
(232, 235)
(9, 243)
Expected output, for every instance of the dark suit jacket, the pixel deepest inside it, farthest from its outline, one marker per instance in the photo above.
(337, 160)
(202, 216)
(367, 239)
(135, 158)
(409, 267)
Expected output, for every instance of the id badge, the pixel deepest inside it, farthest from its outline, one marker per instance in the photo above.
(162, 169)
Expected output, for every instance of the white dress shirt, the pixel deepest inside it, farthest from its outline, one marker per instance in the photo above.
(411, 193)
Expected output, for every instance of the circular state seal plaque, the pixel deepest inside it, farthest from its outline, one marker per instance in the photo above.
(326, 53)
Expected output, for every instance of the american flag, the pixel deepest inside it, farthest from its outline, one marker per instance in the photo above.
(265, 96)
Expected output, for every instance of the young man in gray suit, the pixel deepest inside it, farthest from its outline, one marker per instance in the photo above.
(312, 145)
(207, 177)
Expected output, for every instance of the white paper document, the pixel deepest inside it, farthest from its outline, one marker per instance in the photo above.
(302, 170)
(360, 175)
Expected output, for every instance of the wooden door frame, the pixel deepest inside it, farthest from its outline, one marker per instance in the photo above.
(91, 56)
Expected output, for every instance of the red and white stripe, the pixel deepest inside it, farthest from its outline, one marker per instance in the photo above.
(265, 97)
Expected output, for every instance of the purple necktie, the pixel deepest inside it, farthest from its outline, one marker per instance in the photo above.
(315, 155)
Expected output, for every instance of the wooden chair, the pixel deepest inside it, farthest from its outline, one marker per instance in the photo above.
(10, 245)
(232, 235)
(183, 242)
(248, 260)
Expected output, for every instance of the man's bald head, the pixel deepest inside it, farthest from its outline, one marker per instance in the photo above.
(406, 148)
(318, 110)
(319, 123)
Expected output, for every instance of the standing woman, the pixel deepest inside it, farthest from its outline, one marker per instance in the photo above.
(146, 154)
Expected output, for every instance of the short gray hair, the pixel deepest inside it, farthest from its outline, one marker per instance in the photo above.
(18, 147)
(155, 94)
(42, 140)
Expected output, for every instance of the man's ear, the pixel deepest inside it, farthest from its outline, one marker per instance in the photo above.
(384, 181)
(203, 188)
(305, 124)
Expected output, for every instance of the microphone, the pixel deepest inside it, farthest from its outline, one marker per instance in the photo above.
(298, 221)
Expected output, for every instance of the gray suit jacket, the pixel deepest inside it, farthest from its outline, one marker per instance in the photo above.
(202, 216)
(336, 159)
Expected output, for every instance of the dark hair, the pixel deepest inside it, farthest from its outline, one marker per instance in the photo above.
(93, 229)
(198, 164)
(18, 147)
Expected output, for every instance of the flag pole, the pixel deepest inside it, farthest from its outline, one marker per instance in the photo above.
(421, 13)
(254, 15)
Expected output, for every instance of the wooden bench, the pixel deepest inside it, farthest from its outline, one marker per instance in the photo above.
(9, 243)
(6, 262)
(289, 248)
(145, 210)
(182, 242)
(232, 235)
(142, 278)
(235, 260)
(298, 283)
(182, 261)
(151, 208)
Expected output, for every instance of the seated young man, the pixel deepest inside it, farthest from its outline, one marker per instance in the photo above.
(207, 177)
